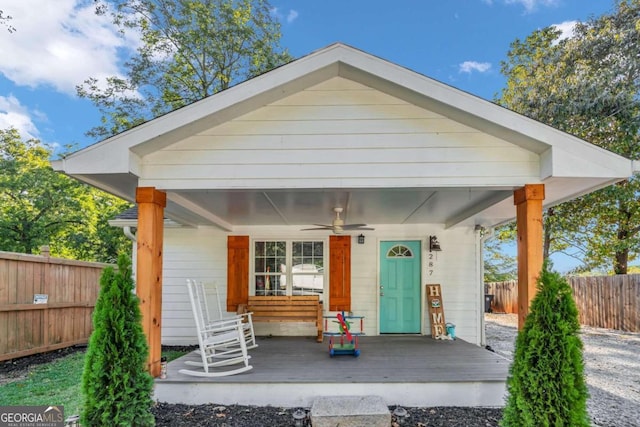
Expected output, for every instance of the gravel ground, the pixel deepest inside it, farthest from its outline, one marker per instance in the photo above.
(612, 366)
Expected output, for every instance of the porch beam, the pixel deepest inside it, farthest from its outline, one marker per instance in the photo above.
(199, 210)
(151, 204)
(528, 201)
(494, 198)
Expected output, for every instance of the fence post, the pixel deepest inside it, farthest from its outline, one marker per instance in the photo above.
(46, 281)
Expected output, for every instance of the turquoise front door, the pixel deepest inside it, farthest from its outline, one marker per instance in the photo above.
(400, 287)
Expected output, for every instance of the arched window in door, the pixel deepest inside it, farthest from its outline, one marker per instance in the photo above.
(399, 251)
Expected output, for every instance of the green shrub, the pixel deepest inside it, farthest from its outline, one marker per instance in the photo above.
(116, 386)
(546, 385)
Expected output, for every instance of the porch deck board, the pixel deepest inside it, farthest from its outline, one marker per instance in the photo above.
(383, 358)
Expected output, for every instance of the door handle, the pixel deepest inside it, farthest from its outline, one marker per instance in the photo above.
(381, 292)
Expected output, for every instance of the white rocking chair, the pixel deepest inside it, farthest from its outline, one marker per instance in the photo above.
(247, 321)
(222, 343)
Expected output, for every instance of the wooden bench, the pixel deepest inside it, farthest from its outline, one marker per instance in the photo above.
(296, 308)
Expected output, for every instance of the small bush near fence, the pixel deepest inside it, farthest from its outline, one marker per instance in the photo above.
(45, 303)
(611, 302)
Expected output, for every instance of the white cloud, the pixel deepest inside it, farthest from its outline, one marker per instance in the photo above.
(15, 115)
(529, 5)
(291, 16)
(59, 44)
(567, 29)
(471, 66)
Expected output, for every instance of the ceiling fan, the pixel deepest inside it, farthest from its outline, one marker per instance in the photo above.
(338, 225)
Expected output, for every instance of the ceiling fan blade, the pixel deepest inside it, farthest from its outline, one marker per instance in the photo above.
(317, 228)
(353, 225)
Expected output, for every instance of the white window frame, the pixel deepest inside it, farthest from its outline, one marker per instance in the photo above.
(289, 264)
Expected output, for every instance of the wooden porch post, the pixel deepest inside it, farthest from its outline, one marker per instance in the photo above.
(151, 203)
(528, 201)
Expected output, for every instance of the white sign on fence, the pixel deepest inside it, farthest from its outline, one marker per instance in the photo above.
(40, 298)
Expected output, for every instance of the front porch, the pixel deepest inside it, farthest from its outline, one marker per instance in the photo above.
(407, 370)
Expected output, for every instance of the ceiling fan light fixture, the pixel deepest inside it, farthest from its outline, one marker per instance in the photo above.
(337, 225)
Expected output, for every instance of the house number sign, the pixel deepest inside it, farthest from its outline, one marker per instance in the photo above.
(431, 263)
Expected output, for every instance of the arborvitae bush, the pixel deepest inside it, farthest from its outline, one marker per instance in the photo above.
(116, 386)
(546, 385)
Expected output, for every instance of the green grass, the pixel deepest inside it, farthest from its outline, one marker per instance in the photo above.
(55, 383)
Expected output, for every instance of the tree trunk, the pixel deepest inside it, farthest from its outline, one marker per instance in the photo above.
(621, 261)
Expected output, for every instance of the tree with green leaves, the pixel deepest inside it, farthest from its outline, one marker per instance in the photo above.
(39, 206)
(587, 85)
(546, 384)
(499, 266)
(189, 49)
(117, 388)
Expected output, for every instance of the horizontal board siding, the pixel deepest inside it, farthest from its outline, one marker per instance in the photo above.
(339, 112)
(339, 127)
(341, 167)
(321, 155)
(189, 254)
(338, 132)
(241, 143)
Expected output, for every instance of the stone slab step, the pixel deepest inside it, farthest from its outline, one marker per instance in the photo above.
(350, 411)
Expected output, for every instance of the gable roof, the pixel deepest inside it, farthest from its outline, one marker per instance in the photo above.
(567, 165)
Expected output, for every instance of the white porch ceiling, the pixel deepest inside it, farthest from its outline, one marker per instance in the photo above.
(228, 209)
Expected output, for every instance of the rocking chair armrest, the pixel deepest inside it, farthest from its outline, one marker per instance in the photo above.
(224, 325)
(246, 317)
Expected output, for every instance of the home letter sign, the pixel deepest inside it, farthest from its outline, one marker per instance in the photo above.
(436, 310)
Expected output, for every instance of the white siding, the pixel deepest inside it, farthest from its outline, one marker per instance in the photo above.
(201, 254)
(339, 132)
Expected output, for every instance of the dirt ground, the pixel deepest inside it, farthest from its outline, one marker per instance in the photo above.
(612, 368)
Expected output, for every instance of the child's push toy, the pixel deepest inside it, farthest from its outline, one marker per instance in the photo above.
(344, 331)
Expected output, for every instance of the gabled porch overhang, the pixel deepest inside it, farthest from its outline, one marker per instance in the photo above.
(411, 151)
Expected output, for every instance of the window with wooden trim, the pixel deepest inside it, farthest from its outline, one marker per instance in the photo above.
(288, 267)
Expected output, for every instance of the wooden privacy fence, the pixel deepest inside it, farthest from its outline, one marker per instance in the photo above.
(603, 301)
(45, 303)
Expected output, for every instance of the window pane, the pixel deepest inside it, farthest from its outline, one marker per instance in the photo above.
(305, 274)
(307, 271)
(269, 256)
(296, 249)
(259, 248)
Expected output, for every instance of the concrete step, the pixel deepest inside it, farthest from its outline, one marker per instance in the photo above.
(350, 411)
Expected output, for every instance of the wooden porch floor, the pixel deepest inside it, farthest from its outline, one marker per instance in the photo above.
(405, 370)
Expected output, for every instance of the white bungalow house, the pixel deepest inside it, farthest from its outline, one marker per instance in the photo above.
(240, 175)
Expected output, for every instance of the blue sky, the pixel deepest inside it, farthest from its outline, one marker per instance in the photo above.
(59, 43)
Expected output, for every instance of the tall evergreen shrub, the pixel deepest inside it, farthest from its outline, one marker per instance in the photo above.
(546, 385)
(116, 386)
